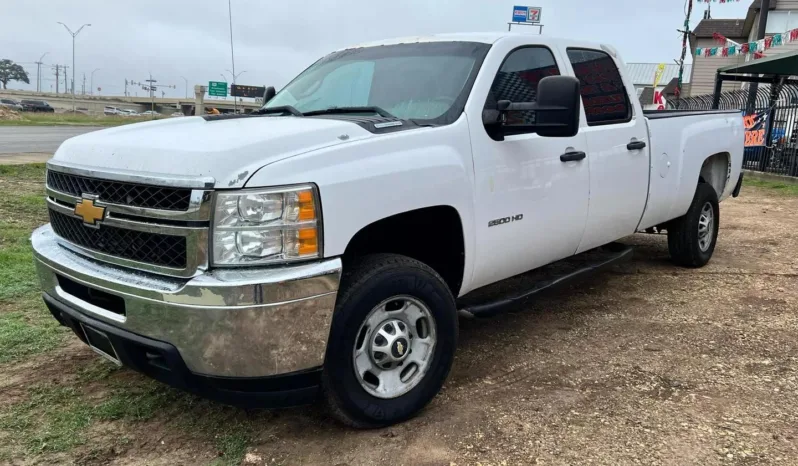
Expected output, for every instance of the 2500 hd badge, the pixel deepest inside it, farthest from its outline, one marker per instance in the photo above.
(502, 221)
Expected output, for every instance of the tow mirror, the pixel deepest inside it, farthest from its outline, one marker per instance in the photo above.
(269, 94)
(558, 99)
(555, 114)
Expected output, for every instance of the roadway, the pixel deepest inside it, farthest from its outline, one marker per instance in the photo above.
(39, 139)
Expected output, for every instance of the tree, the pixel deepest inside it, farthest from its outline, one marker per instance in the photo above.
(10, 71)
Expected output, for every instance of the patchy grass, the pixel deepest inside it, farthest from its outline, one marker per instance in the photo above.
(787, 189)
(26, 327)
(50, 119)
(51, 418)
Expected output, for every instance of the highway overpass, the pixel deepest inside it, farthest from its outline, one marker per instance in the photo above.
(94, 105)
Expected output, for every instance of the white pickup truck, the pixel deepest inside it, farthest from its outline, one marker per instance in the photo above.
(323, 245)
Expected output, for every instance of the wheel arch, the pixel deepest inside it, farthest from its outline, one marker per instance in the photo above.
(715, 171)
(432, 235)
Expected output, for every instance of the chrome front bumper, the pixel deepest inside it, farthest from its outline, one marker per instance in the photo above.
(225, 323)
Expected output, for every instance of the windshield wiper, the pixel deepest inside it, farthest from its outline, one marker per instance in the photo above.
(281, 109)
(345, 110)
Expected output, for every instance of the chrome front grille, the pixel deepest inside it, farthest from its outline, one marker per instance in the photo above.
(150, 223)
(139, 246)
(117, 192)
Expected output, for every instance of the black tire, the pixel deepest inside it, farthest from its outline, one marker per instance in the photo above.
(368, 282)
(683, 235)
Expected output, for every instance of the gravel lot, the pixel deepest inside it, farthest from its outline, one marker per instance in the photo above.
(645, 364)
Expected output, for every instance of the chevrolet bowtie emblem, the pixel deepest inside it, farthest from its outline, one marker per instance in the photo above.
(400, 348)
(90, 213)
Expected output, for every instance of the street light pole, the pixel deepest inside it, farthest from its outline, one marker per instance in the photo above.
(91, 81)
(235, 78)
(73, 34)
(232, 54)
(186, 80)
(224, 79)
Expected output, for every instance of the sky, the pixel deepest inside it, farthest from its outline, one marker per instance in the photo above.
(275, 40)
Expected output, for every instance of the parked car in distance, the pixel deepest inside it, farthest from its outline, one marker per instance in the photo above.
(11, 103)
(109, 110)
(127, 112)
(178, 114)
(150, 113)
(36, 106)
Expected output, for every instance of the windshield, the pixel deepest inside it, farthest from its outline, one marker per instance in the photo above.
(420, 81)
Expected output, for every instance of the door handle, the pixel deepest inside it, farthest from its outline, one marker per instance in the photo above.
(636, 145)
(572, 156)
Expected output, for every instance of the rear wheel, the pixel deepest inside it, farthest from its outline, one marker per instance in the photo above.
(392, 341)
(692, 238)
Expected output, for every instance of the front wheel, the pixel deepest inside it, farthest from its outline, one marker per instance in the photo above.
(692, 238)
(392, 341)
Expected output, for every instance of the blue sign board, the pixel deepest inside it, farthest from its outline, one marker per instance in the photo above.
(526, 14)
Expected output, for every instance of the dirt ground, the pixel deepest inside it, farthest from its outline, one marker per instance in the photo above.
(645, 364)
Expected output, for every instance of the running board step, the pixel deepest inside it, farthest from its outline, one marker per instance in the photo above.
(502, 296)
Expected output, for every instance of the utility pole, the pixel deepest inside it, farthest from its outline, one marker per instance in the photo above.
(685, 36)
(126, 82)
(83, 88)
(64, 74)
(186, 80)
(760, 34)
(73, 34)
(56, 79)
(39, 73)
(150, 87)
(151, 84)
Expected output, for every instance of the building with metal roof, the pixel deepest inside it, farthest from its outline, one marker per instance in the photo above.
(642, 74)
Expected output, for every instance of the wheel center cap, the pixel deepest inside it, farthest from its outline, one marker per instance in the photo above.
(399, 348)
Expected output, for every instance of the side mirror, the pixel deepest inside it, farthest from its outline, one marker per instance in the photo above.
(556, 112)
(269, 94)
(558, 102)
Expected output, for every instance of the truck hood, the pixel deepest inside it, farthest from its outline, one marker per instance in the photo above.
(228, 150)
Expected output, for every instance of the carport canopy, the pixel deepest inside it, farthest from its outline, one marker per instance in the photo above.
(770, 70)
(783, 64)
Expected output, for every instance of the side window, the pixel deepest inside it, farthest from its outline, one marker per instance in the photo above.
(517, 81)
(603, 93)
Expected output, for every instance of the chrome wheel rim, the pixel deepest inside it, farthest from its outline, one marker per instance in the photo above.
(394, 347)
(706, 227)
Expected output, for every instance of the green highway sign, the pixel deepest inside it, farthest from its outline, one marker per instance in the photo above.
(217, 89)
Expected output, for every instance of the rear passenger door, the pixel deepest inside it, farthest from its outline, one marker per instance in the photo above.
(618, 153)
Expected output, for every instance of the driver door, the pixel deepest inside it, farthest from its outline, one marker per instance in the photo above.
(531, 206)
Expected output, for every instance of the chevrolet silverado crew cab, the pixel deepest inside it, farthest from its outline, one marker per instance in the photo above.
(323, 245)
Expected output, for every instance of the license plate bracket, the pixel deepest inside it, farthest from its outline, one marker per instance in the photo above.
(100, 343)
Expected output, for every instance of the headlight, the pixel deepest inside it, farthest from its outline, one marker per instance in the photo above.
(263, 226)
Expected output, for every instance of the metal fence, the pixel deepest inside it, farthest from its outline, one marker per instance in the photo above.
(771, 124)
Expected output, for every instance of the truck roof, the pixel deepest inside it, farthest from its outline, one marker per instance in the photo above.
(483, 37)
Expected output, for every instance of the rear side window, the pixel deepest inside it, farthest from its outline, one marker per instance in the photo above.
(603, 93)
(518, 78)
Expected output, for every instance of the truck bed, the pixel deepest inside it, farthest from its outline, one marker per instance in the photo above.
(681, 142)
